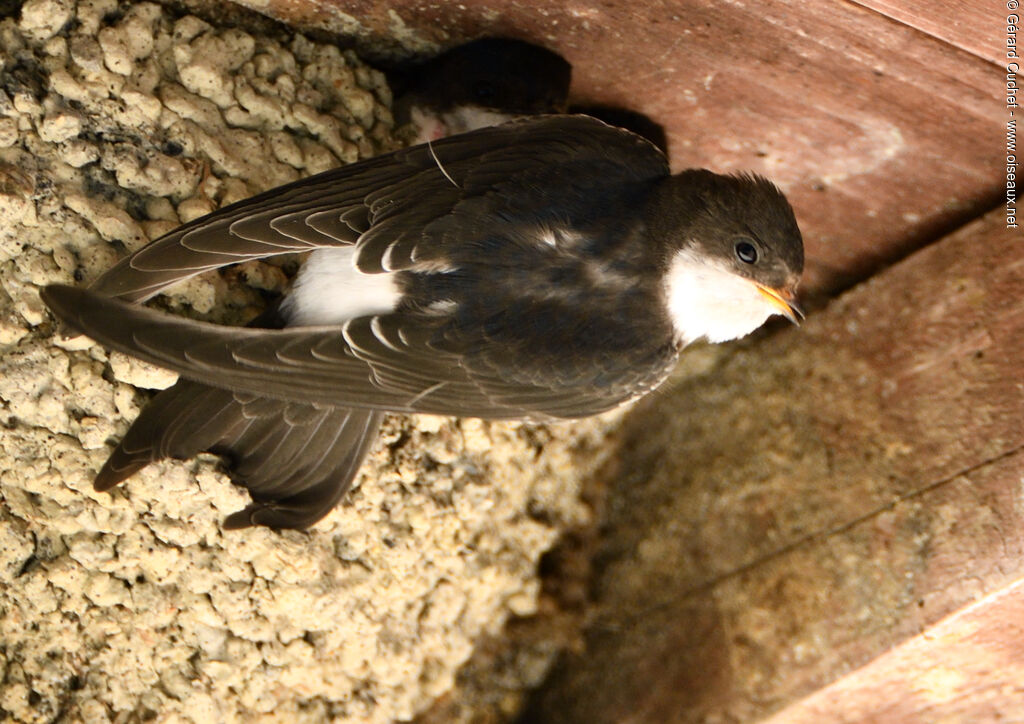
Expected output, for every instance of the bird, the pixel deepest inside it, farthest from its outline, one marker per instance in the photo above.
(547, 268)
(484, 82)
(492, 80)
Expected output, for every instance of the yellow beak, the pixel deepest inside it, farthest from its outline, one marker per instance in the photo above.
(784, 301)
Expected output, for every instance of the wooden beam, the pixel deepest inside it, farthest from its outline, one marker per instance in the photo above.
(966, 668)
(790, 512)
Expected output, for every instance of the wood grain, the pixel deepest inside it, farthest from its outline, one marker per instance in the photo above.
(973, 673)
(971, 25)
(808, 501)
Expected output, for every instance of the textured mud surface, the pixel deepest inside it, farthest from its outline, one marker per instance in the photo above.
(118, 122)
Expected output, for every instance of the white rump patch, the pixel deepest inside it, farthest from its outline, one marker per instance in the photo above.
(330, 290)
(707, 300)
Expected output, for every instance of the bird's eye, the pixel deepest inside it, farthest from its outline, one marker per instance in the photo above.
(746, 252)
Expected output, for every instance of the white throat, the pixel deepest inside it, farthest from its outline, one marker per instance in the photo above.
(707, 300)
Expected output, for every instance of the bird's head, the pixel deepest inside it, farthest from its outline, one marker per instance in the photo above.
(734, 254)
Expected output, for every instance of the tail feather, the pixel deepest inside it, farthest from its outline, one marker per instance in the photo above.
(296, 460)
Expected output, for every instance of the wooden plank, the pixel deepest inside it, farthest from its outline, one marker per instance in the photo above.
(965, 24)
(966, 668)
(883, 137)
(792, 510)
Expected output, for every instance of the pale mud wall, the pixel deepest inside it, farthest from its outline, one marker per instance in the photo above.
(116, 124)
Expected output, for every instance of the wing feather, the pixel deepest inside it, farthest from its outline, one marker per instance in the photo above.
(382, 203)
(323, 365)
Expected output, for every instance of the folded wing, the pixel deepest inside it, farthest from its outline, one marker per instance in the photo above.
(383, 204)
(373, 363)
